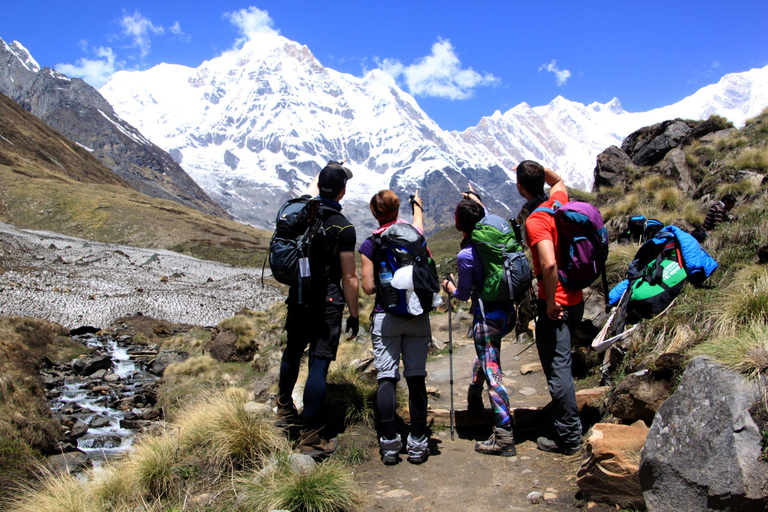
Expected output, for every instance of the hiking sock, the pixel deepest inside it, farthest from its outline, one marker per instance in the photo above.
(385, 401)
(417, 403)
(314, 389)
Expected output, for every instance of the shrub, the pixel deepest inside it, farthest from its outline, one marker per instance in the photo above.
(739, 189)
(745, 300)
(151, 466)
(750, 158)
(55, 493)
(199, 366)
(667, 198)
(326, 488)
(746, 352)
(224, 432)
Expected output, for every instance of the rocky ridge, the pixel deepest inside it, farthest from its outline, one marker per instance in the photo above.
(79, 112)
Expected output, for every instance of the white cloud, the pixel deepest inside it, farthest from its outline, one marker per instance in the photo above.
(176, 29)
(561, 75)
(249, 22)
(438, 75)
(95, 71)
(140, 29)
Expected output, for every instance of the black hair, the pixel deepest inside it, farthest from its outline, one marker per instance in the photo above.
(729, 198)
(530, 176)
(468, 213)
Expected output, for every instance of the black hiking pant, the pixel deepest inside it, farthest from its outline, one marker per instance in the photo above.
(553, 341)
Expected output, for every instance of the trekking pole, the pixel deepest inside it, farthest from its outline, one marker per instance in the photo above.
(450, 354)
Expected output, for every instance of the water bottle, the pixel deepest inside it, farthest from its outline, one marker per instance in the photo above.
(390, 295)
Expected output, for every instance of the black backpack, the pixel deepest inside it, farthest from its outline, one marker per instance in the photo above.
(402, 245)
(298, 234)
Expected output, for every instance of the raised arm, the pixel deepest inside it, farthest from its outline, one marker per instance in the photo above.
(418, 212)
(552, 179)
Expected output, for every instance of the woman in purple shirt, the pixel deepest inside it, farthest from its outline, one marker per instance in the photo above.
(491, 321)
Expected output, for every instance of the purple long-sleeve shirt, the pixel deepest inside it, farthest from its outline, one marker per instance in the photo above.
(471, 273)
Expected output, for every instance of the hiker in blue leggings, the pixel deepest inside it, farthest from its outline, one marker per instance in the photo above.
(490, 323)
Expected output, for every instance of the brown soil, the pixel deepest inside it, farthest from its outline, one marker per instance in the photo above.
(455, 477)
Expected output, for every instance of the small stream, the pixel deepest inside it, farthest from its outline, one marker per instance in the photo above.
(102, 400)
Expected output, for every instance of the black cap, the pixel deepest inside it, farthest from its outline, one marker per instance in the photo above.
(333, 178)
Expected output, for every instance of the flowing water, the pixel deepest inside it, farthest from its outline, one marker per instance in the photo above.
(105, 408)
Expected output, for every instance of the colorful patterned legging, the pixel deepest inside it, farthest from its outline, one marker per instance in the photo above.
(487, 367)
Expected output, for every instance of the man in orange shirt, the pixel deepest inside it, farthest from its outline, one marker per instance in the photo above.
(560, 308)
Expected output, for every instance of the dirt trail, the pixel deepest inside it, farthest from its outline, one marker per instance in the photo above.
(456, 478)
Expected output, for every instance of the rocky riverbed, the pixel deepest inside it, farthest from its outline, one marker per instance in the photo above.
(77, 282)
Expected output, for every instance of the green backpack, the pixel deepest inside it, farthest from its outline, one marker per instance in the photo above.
(507, 273)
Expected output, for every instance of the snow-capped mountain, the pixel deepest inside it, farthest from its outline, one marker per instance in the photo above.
(254, 125)
(78, 111)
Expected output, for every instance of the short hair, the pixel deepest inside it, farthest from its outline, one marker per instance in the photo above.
(530, 176)
(468, 213)
(729, 198)
(385, 205)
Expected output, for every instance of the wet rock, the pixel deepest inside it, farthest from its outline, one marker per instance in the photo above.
(68, 463)
(135, 424)
(104, 442)
(87, 365)
(99, 422)
(79, 430)
(52, 381)
(112, 378)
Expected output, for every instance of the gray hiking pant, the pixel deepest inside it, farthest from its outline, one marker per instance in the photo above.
(553, 340)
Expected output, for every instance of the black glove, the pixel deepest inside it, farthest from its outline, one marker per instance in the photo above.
(353, 324)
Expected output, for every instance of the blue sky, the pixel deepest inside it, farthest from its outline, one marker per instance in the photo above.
(460, 60)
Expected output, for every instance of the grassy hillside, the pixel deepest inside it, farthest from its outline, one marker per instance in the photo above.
(48, 182)
(727, 318)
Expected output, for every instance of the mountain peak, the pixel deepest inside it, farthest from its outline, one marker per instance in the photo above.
(21, 53)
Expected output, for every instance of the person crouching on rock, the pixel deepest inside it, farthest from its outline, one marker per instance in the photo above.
(489, 325)
(394, 335)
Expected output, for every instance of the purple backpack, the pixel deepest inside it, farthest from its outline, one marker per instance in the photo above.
(583, 243)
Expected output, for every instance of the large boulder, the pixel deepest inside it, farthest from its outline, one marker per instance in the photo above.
(611, 473)
(648, 146)
(703, 449)
(675, 168)
(611, 169)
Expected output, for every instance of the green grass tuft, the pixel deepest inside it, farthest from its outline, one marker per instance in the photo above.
(326, 488)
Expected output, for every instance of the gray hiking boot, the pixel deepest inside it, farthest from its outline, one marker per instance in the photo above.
(550, 445)
(418, 449)
(475, 398)
(501, 443)
(390, 450)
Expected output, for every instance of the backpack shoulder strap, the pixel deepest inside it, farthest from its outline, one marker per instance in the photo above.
(550, 211)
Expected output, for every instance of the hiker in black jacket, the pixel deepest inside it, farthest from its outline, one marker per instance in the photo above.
(317, 322)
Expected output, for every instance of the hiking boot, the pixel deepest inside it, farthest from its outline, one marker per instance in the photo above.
(418, 449)
(475, 398)
(390, 450)
(550, 445)
(310, 443)
(501, 443)
(287, 415)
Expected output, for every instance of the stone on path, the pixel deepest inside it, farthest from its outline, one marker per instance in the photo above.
(611, 474)
(530, 368)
